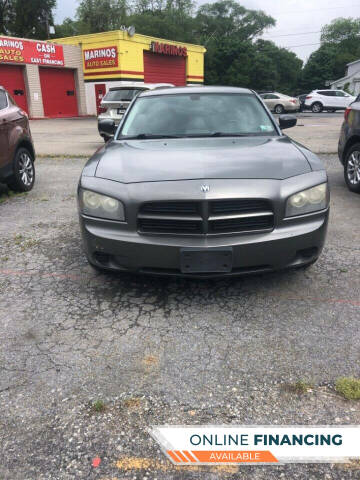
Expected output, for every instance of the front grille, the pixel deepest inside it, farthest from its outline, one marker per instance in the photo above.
(241, 224)
(169, 226)
(213, 217)
(170, 208)
(241, 205)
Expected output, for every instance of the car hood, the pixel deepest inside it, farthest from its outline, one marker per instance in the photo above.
(200, 158)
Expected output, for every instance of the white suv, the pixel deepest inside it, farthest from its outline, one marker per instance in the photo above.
(331, 100)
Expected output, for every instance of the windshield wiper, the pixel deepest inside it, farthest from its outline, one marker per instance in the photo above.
(223, 134)
(146, 136)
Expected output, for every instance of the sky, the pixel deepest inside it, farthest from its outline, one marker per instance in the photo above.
(298, 22)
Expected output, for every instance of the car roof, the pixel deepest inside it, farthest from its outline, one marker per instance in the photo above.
(179, 90)
(142, 86)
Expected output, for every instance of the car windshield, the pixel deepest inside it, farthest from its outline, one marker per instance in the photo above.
(197, 115)
(122, 94)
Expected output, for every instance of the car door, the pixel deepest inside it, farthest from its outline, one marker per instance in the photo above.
(343, 99)
(4, 129)
(271, 100)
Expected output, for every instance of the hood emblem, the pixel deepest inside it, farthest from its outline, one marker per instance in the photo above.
(205, 188)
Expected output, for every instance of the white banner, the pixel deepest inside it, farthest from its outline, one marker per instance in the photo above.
(209, 445)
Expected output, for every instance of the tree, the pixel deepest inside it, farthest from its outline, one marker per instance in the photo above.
(341, 29)
(31, 19)
(6, 15)
(227, 18)
(101, 15)
(278, 69)
(339, 46)
(228, 29)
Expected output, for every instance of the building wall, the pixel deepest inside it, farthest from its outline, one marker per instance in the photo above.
(33, 91)
(72, 60)
(130, 59)
(354, 68)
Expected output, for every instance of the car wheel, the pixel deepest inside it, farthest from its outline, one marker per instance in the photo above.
(279, 109)
(352, 169)
(316, 107)
(331, 110)
(23, 178)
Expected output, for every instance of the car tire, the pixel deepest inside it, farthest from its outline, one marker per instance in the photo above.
(279, 109)
(316, 107)
(352, 168)
(331, 110)
(23, 177)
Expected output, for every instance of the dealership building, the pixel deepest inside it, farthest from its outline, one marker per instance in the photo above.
(122, 56)
(68, 77)
(45, 79)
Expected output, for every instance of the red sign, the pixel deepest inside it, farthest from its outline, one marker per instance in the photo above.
(166, 49)
(15, 50)
(105, 57)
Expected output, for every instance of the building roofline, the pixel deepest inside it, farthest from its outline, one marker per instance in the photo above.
(121, 34)
(352, 63)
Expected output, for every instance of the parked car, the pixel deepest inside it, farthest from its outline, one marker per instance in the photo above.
(17, 153)
(201, 181)
(279, 103)
(331, 100)
(349, 146)
(116, 101)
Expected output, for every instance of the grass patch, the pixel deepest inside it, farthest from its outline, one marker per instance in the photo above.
(349, 388)
(5, 196)
(300, 387)
(132, 403)
(24, 243)
(98, 406)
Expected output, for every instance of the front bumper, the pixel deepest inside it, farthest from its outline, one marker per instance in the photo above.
(297, 242)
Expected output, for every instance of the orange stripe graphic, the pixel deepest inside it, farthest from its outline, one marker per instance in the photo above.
(179, 454)
(173, 456)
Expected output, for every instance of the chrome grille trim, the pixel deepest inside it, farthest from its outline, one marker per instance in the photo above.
(207, 217)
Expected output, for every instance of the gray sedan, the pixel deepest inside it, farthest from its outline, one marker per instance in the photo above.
(201, 182)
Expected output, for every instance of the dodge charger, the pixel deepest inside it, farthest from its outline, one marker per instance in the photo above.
(201, 182)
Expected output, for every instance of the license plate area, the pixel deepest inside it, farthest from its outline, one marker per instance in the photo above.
(209, 260)
(121, 111)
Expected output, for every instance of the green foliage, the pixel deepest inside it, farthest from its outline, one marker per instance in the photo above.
(340, 29)
(101, 15)
(339, 46)
(29, 19)
(349, 387)
(98, 406)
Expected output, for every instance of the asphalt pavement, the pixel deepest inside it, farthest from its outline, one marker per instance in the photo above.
(156, 350)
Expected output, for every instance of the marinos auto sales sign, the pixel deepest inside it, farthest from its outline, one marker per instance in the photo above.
(16, 50)
(104, 57)
(219, 445)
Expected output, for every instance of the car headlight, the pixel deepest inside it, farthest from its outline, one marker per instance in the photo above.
(101, 206)
(308, 201)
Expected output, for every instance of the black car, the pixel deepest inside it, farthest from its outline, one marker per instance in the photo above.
(349, 146)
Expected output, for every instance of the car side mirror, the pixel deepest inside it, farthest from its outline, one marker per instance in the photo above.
(107, 127)
(287, 121)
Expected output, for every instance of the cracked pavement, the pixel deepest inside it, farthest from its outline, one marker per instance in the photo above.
(159, 350)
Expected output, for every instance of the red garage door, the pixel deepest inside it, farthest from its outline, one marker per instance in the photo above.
(58, 92)
(12, 78)
(164, 69)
